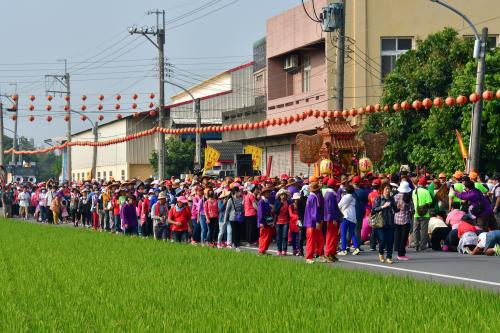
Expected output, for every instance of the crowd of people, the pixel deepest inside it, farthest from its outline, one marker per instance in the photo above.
(319, 218)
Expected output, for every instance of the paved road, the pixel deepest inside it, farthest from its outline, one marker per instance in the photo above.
(443, 267)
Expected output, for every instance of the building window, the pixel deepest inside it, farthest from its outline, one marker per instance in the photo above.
(111, 173)
(99, 175)
(73, 176)
(306, 74)
(391, 50)
(104, 175)
(123, 174)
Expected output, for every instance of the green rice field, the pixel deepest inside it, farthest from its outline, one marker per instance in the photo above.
(73, 280)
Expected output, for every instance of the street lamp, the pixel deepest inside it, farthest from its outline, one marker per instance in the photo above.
(479, 53)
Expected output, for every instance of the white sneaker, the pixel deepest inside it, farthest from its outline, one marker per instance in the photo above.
(342, 253)
(356, 252)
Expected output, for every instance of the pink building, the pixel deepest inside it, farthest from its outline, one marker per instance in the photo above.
(296, 82)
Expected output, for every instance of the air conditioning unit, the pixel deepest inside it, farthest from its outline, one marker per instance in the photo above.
(291, 63)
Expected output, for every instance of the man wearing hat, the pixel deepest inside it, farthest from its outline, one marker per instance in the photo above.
(422, 201)
(292, 186)
(159, 214)
(332, 216)
(313, 217)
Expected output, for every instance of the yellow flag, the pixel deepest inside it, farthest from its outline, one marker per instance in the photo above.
(211, 157)
(256, 153)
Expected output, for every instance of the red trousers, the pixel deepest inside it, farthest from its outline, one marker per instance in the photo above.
(266, 235)
(332, 238)
(310, 242)
(95, 218)
(320, 241)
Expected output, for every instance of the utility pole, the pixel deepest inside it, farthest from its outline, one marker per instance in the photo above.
(94, 155)
(14, 139)
(159, 32)
(339, 78)
(475, 136)
(14, 100)
(197, 110)
(64, 80)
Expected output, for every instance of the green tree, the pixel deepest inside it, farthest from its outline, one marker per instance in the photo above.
(179, 156)
(439, 66)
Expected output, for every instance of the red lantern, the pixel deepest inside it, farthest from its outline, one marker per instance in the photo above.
(273, 122)
(395, 107)
(317, 113)
(474, 98)
(152, 95)
(67, 98)
(427, 103)
(152, 113)
(405, 105)
(31, 107)
(291, 119)
(31, 118)
(488, 95)
(83, 117)
(438, 102)
(310, 113)
(329, 114)
(66, 107)
(101, 117)
(118, 97)
(498, 93)
(49, 118)
(99, 107)
(136, 115)
(14, 98)
(13, 117)
(361, 110)
(49, 97)
(386, 108)
(378, 107)
(345, 113)
(417, 105)
(151, 105)
(337, 114)
(101, 97)
(134, 106)
(48, 107)
(369, 109)
(117, 106)
(66, 117)
(134, 96)
(323, 114)
(32, 98)
(461, 99)
(353, 112)
(83, 107)
(84, 98)
(450, 101)
(285, 120)
(119, 116)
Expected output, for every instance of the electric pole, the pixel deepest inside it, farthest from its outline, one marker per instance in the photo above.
(94, 153)
(14, 139)
(159, 32)
(14, 100)
(197, 111)
(475, 136)
(339, 78)
(1, 134)
(64, 80)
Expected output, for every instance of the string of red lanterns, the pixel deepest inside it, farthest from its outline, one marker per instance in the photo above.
(427, 103)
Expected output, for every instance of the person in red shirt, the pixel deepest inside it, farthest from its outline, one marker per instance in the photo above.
(212, 213)
(250, 212)
(371, 200)
(282, 221)
(466, 225)
(179, 217)
(293, 226)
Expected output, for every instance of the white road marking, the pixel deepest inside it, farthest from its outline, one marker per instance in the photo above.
(452, 277)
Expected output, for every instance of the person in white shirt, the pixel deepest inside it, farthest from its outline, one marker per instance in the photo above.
(438, 231)
(42, 204)
(24, 203)
(347, 206)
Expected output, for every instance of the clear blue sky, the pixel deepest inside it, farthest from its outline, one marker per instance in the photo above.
(103, 58)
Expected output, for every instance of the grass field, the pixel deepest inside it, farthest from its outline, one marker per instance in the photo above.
(67, 280)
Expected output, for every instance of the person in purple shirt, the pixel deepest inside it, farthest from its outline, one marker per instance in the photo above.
(129, 216)
(292, 187)
(480, 206)
(332, 217)
(265, 220)
(312, 220)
